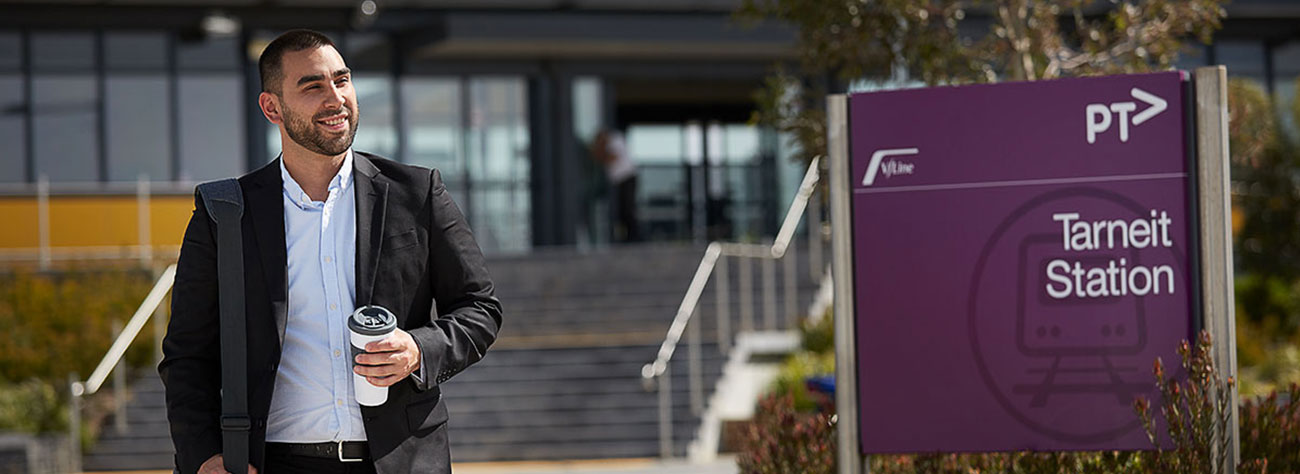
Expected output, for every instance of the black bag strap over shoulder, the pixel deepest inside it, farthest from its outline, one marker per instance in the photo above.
(224, 201)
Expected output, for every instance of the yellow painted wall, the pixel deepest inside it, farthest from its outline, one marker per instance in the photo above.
(93, 221)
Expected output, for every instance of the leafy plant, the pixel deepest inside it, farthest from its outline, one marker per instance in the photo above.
(938, 42)
(784, 440)
(1197, 413)
(33, 406)
(1270, 432)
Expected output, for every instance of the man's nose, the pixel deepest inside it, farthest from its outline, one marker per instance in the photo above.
(336, 98)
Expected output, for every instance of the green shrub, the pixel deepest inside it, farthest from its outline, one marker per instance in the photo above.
(786, 437)
(1270, 431)
(792, 380)
(785, 440)
(33, 406)
(59, 323)
(818, 336)
(1196, 413)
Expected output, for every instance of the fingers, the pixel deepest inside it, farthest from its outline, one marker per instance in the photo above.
(387, 344)
(399, 340)
(384, 381)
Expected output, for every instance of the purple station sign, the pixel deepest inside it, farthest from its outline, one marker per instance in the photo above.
(1021, 257)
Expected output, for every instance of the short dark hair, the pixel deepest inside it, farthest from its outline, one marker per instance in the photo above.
(271, 66)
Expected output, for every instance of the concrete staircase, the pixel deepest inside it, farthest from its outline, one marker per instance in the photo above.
(563, 380)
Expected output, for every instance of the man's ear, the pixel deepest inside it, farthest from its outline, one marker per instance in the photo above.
(270, 105)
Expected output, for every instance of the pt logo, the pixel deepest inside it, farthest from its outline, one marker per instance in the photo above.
(1101, 115)
(890, 168)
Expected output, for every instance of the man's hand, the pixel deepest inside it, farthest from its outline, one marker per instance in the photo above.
(217, 465)
(389, 360)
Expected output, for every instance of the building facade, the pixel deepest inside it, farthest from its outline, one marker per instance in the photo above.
(113, 111)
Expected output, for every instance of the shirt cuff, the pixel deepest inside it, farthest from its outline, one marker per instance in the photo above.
(418, 375)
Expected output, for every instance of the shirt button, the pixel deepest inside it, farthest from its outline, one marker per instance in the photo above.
(334, 306)
(339, 402)
(337, 353)
(329, 259)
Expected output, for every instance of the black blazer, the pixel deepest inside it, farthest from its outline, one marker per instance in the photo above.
(415, 256)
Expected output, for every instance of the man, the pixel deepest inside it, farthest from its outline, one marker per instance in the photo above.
(325, 230)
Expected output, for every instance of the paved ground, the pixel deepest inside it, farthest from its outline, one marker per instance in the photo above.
(724, 465)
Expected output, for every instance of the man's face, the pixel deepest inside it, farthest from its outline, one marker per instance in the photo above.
(318, 103)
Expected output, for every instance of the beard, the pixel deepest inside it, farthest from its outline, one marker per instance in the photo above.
(304, 132)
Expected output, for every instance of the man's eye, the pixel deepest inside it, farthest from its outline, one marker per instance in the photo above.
(342, 80)
(313, 87)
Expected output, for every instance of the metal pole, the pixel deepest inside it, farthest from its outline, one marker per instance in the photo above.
(722, 289)
(696, 380)
(1215, 209)
(142, 195)
(43, 220)
(746, 293)
(815, 236)
(791, 303)
(846, 397)
(74, 420)
(666, 414)
(119, 386)
(769, 293)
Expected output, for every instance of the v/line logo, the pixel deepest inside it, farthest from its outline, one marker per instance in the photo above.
(890, 168)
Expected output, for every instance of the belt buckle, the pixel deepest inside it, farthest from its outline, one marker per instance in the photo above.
(343, 459)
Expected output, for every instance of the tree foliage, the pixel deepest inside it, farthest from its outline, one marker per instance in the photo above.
(956, 41)
(1266, 195)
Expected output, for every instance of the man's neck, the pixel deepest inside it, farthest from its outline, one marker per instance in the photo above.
(313, 171)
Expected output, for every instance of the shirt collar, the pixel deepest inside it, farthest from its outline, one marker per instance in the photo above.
(341, 181)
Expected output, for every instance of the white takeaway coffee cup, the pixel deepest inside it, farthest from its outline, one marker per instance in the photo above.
(368, 324)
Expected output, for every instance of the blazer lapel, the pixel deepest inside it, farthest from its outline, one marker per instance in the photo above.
(266, 203)
(372, 201)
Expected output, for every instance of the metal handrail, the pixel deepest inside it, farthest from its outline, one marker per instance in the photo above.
(654, 371)
(113, 361)
(115, 352)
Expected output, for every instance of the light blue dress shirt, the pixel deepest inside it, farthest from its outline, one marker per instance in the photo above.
(314, 400)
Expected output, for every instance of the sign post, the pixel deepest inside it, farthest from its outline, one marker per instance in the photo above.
(1010, 259)
(1215, 206)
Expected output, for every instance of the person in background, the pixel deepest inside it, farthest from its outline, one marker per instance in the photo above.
(610, 150)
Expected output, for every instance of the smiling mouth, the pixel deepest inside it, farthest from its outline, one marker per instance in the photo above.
(335, 123)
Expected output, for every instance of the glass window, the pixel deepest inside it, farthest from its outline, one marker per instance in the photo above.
(138, 110)
(1193, 55)
(432, 121)
(64, 108)
(739, 143)
(211, 126)
(1243, 58)
(368, 52)
(588, 108)
(11, 51)
(500, 219)
(1286, 70)
(656, 144)
(13, 131)
(212, 54)
(135, 51)
(498, 158)
(377, 132)
(498, 133)
(63, 52)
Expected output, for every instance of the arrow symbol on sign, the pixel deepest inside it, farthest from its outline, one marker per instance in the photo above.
(1157, 105)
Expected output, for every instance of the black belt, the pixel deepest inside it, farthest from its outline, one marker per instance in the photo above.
(344, 451)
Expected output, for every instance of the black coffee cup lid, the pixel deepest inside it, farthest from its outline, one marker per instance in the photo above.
(372, 321)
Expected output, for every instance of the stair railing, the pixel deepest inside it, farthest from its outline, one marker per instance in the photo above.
(656, 372)
(112, 362)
